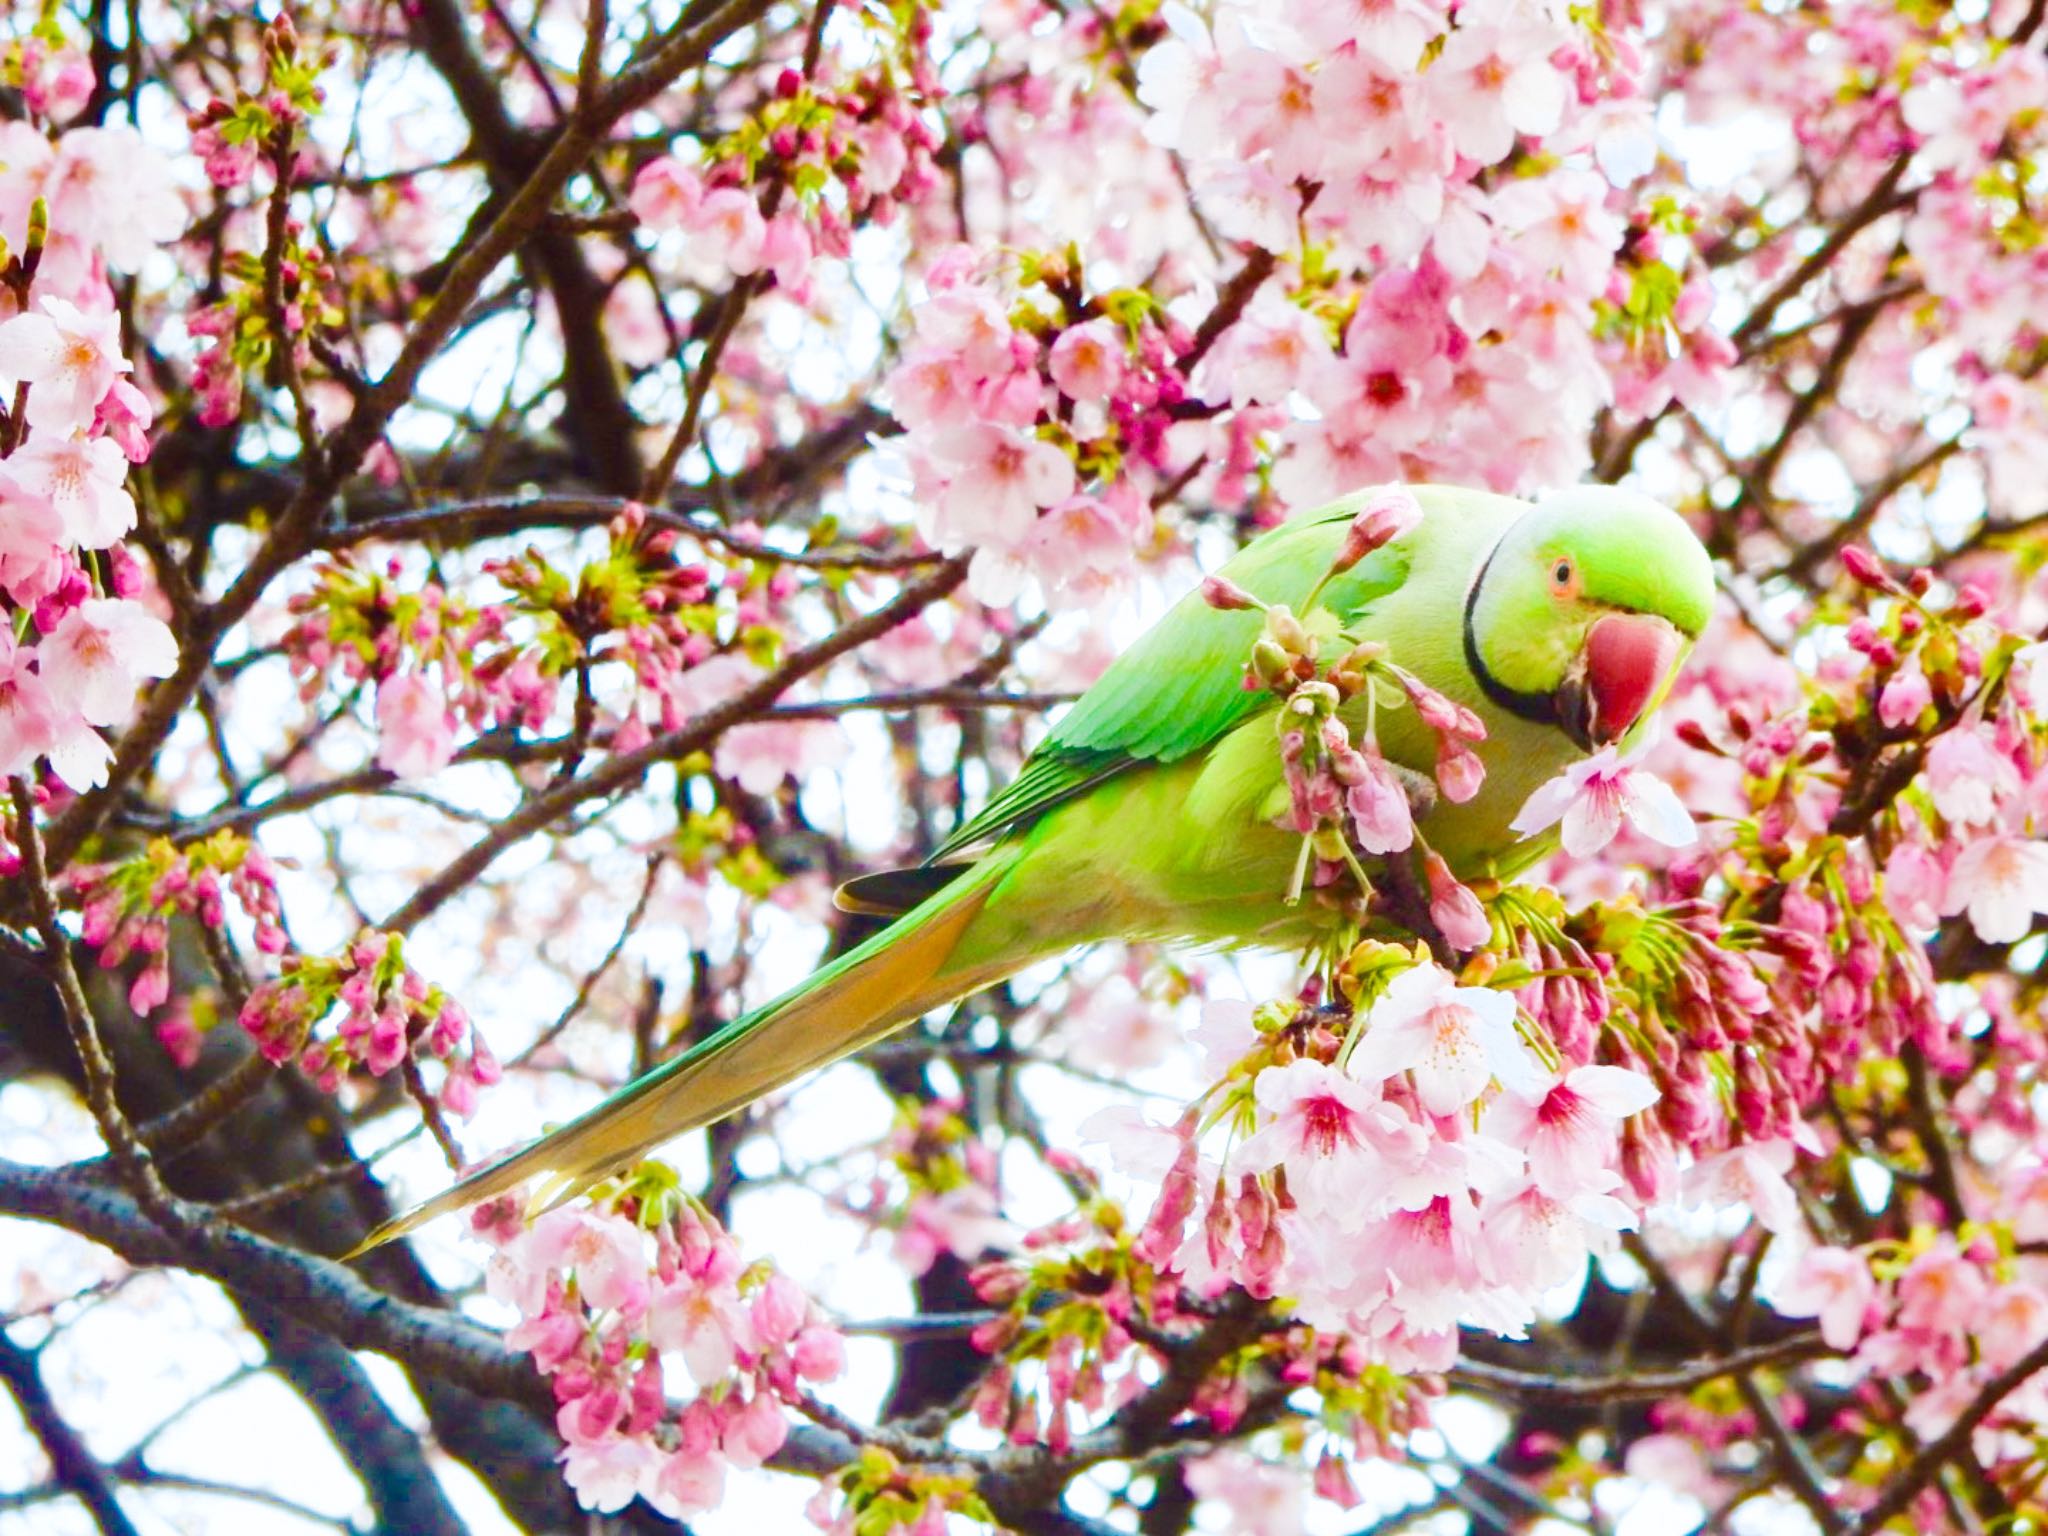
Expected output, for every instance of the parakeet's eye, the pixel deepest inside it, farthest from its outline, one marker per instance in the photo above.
(1564, 580)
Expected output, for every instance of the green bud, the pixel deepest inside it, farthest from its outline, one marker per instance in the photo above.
(1270, 661)
(1286, 629)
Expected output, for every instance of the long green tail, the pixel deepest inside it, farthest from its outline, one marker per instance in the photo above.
(872, 989)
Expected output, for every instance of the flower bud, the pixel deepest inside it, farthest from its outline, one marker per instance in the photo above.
(1222, 592)
(1865, 568)
(1286, 630)
(1388, 516)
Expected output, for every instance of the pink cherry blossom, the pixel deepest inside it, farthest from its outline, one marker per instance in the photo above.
(1262, 1499)
(1904, 695)
(2010, 1324)
(1263, 357)
(667, 194)
(1834, 1285)
(1394, 31)
(1087, 362)
(703, 1319)
(1177, 78)
(1568, 1129)
(686, 1483)
(1492, 82)
(30, 532)
(1595, 797)
(1455, 1040)
(415, 731)
(607, 1473)
(82, 481)
(1915, 886)
(1330, 1130)
(760, 755)
(1561, 222)
(1114, 1030)
(1750, 1174)
(1538, 1238)
(28, 715)
(69, 357)
(99, 652)
(727, 230)
(111, 189)
(999, 479)
(1942, 1291)
(1967, 778)
(1381, 819)
(1452, 906)
(2001, 881)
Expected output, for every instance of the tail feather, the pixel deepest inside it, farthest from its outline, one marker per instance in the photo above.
(873, 989)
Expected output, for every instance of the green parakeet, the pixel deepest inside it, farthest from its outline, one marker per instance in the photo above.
(1155, 807)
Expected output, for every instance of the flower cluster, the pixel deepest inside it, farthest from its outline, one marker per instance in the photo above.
(80, 635)
(418, 644)
(1036, 414)
(618, 1300)
(1085, 1308)
(1946, 1313)
(785, 185)
(1428, 1166)
(128, 907)
(390, 1017)
(643, 637)
(942, 1197)
(1445, 321)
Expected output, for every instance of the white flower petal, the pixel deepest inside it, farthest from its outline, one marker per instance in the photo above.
(1657, 811)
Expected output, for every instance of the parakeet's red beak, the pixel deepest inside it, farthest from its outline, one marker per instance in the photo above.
(1627, 659)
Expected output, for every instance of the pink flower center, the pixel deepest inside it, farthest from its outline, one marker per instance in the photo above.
(1561, 1110)
(93, 648)
(1327, 1124)
(1385, 389)
(1007, 462)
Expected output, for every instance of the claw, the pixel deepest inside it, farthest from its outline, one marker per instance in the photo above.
(1420, 789)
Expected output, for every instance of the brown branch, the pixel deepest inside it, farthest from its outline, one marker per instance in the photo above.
(1565, 1391)
(322, 1294)
(629, 768)
(496, 516)
(1229, 307)
(130, 1156)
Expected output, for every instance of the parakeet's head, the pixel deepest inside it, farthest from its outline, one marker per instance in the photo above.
(1585, 608)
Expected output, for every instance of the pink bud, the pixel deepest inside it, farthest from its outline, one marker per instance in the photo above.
(1222, 592)
(1388, 516)
(1458, 771)
(819, 1354)
(1454, 909)
(1865, 567)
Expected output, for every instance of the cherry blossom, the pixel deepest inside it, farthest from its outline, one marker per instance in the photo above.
(416, 732)
(1834, 1285)
(71, 359)
(1454, 1040)
(1329, 1129)
(82, 480)
(1567, 1129)
(100, 651)
(2001, 882)
(1593, 798)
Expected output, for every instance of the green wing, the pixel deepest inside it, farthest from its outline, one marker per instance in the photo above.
(1180, 686)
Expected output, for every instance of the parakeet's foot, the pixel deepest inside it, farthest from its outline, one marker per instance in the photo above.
(1420, 789)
